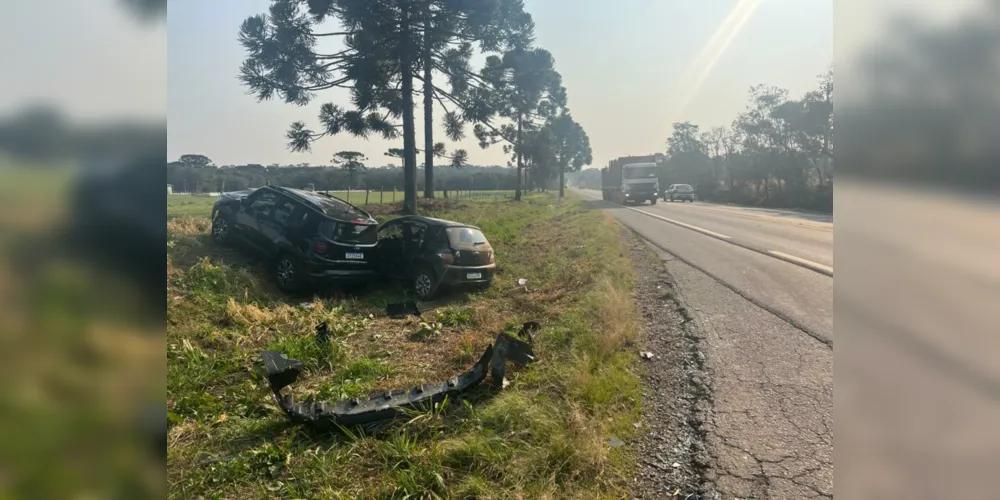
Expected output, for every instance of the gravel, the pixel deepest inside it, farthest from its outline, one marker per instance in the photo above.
(677, 393)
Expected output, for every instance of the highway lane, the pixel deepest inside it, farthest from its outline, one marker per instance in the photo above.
(800, 296)
(805, 236)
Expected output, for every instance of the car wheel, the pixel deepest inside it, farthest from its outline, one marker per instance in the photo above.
(425, 283)
(653, 201)
(222, 228)
(288, 273)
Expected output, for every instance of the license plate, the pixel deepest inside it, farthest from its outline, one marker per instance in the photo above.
(355, 255)
(474, 276)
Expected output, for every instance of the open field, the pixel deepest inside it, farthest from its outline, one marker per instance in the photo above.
(186, 204)
(545, 435)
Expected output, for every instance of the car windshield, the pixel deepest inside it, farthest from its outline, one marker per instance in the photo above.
(644, 172)
(467, 237)
(684, 187)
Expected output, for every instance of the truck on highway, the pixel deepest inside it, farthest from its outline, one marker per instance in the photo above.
(631, 179)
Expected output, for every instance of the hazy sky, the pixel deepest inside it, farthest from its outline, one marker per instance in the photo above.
(623, 64)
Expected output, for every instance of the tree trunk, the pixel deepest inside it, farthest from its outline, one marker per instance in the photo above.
(517, 151)
(409, 133)
(428, 113)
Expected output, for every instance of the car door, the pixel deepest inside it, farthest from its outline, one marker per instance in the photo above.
(414, 233)
(259, 206)
(275, 227)
(390, 249)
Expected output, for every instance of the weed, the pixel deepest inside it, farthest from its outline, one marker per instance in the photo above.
(454, 316)
(427, 330)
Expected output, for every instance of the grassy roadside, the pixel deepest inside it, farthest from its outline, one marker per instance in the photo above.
(546, 435)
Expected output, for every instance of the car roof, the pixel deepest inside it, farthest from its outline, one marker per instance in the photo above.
(431, 221)
(328, 205)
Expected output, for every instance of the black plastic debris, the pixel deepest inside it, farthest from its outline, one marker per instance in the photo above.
(323, 333)
(282, 371)
(401, 310)
(507, 348)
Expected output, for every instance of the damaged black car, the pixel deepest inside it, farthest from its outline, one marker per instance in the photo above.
(431, 254)
(308, 238)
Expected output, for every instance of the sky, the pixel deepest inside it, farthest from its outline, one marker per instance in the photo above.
(631, 69)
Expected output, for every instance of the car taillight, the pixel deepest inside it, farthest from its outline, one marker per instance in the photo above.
(492, 258)
(320, 247)
(447, 257)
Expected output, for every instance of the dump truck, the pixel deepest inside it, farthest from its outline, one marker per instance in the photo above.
(631, 179)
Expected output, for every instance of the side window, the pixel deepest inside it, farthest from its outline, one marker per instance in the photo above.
(391, 232)
(283, 211)
(263, 205)
(415, 232)
(439, 238)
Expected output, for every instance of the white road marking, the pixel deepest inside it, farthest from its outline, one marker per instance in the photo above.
(682, 224)
(800, 260)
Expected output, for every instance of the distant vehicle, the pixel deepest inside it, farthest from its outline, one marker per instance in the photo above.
(309, 238)
(434, 253)
(683, 192)
(631, 179)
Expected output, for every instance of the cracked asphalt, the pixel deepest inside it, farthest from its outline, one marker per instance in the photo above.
(763, 330)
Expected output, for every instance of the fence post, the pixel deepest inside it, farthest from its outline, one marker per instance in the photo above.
(366, 196)
(381, 194)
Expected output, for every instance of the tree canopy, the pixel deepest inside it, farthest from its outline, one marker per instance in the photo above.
(387, 45)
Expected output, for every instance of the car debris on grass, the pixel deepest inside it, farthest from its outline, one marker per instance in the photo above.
(281, 371)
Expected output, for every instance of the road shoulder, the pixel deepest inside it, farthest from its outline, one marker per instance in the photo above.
(671, 453)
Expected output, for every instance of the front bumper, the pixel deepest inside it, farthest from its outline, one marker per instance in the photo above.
(632, 196)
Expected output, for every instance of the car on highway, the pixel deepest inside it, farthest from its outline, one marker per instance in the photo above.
(682, 192)
(431, 254)
(308, 238)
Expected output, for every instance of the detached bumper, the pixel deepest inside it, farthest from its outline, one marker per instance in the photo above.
(282, 371)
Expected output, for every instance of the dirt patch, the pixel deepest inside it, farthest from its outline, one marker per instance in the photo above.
(671, 452)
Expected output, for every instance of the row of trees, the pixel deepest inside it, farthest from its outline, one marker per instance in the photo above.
(189, 178)
(395, 48)
(778, 152)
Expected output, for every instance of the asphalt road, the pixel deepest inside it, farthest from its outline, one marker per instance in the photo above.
(765, 326)
(800, 295)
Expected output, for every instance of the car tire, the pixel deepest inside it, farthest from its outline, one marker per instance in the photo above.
(425, 283)
(222, 227)
(288, 272)
(653, 201)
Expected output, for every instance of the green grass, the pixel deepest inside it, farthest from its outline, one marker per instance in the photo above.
(544, 436)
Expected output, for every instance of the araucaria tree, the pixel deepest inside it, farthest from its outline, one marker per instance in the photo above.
(571, 147)
(526, 89)
(387, 44)
(352, 162)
